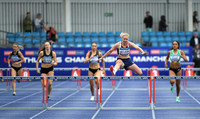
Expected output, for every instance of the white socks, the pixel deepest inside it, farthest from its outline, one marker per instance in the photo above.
(114, 70)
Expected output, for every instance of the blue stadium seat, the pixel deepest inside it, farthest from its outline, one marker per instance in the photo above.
(37, 45)
(78, 40)
(175, 38)
(174, 34)
(36, 34)
(61, 40)
(145, 34)
(70, 40)
(160, 39)
(86, 40)
(169, 44)
(11, 40)
(79, 45)
(117, 34)
(146, 39)
(36, 41)
(188, 38)
(163, 44)
(69, 34)
(118, 39)
(86, 34)
(111, 40)
(43, 34)
(130, 39)
(166, 34)
(152, 34)
(55, 45)
(102, 40)
(94, 34)
(188, 34)
(183, 44)
(87, 45)
(18, 35)
(28, 34)
(112, 44)
(29, 45)
(10, 35)
(182, 39)
(61, 35)
(95, 40)
(153, 39)
(181, 34)
(28, 40)
(77, 34)
(103, 45)
(63, 46)
(138, 44)
(19, 40)
(168, 39)
(102, 34)
(71, 45)
(110, 34)
(154, 44)
(159, 34)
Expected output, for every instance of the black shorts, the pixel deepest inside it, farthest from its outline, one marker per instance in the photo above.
(175, 70)
(127, 62)
(46, 70)
(94, 70)
(16, 68)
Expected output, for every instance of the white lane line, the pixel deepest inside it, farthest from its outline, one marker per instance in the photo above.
(192, 96)
(93, 117)
(56, 103)
(151, 104)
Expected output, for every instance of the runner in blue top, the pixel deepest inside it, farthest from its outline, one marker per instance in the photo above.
(123, 59)
(94, 67)
(47, 56)
(175, 54)
(17, 58)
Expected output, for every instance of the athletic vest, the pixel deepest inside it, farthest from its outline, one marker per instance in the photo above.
(94, 60)
(46, 59)
(175, 57)
(123, 51)
(15, 58)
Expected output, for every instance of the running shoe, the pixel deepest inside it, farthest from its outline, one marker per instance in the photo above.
(92, 98)
(172, 89)
(111, 69)
(49, 98)
(14, 93)
(177, 99)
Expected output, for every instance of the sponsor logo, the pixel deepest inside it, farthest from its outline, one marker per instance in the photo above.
(58, 52)
(134, 52)
(29, 52)
(80, 52)
(155, 52)
(7, 52)
(71, 52)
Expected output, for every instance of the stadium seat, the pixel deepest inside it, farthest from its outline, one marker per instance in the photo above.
(145, 34)
(182, 39)
(152, 34)
(37, 45)
(188, 34)
(86, 40)
(94, 34)
(28, 34)
(95, 40)
(71, 45)
(77, 34)
(55, 45)
(175, 39)
(61, 40)
(103, 45)
(159, 34)
(111, 40)
(112, 44)
(19, 40)
(70, 40)
(35, 34)
(87, 45)
(19, 35)
(117, 34)
(102, 34)
(118, 39)
(188, 38)
(61, 35)
(79, 45)
(43, 34)
(110, 34)
(69, 34)
(168, 39)
(29, 45)
(163, 44)
(154, 44)
(11, 40)
(78, 40)
(10, 35)
(146, 39)
(28, 40)
(86, 34)
(153, 39)
(166, 34)
(183, 44)
(138, 44)
(36, 41)
(174, 34)
(181, 34)
(169, 44)
(102, 40)
(160, 39)
(63, 46)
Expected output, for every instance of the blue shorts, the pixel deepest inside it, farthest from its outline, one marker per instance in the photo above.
(127, 62)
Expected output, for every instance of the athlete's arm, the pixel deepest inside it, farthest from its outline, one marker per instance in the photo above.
(38, 59)
(22, 58)
(87, 59)
(54, 58)
(103, 62)
(183, 56)
(9, 59)
(166, 60)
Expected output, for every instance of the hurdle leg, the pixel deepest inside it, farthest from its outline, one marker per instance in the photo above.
(154, 92)
(100, 91)
(150, 100)
(47, 94)
(43, 93)
(97, 92)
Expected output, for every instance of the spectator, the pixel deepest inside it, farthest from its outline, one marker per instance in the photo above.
(51, 34)
(196, 58)
(195, 40)
(195, 21)
(162, 24)
(39, 23)
(27, 23)
(148, 20)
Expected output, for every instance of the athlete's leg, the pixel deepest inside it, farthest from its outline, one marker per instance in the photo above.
(135, 68)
